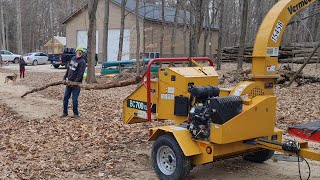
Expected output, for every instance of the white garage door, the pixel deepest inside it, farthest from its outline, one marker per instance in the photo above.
(113, 44)
(82, 40)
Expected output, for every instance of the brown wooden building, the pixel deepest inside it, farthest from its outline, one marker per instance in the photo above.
(150, 21)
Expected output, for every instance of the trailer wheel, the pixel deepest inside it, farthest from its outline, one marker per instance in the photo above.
(168, 160)
(259, 157)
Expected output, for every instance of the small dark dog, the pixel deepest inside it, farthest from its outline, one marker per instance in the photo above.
(12, 78)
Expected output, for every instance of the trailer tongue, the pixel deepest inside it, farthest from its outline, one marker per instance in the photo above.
(308, 132)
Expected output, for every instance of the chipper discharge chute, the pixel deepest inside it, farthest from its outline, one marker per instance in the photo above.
(213, 123)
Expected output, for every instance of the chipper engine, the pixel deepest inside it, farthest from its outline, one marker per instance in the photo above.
(212, 123)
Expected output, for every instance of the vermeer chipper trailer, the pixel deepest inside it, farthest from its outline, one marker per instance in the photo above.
(213, 123)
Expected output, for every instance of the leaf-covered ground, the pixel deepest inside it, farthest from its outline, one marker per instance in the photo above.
(99, 146)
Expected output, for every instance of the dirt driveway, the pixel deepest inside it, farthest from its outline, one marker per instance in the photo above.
(48, 68)
(35, 106)
(39, 145)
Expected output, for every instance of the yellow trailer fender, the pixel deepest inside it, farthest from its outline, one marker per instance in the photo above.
(182, 136)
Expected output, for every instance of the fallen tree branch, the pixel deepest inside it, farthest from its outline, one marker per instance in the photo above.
(110, 85)
(43, 88)
(113, 84)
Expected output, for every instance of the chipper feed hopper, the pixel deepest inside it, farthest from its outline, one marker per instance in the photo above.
(213, 123)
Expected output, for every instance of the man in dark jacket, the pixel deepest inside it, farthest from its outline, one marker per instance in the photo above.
(73, 78)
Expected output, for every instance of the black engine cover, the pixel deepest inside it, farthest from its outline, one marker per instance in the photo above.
(226, 108)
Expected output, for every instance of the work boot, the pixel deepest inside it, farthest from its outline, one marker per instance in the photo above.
(64, 115)
(75, 116)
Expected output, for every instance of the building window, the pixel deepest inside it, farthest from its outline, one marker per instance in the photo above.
(152, 55)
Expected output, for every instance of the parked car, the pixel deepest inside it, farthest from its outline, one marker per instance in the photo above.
(35, 58)
(67, 55)
(9, 56)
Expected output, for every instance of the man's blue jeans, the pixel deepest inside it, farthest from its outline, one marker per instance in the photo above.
(75, 91)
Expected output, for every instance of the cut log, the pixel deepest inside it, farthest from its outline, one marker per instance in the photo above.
(96, 86)
(299, 60)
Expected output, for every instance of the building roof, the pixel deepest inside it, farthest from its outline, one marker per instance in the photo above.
(62, 40)
(147, 11)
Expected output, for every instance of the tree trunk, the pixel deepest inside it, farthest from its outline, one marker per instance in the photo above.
(174, 30)
(3, 36)
(244, 19)
(221, 17)
(198, 6)
(7, 32)
(318, 59)
(211, 26)
(92, 9)
(191, 36)
(51, 26)
(19, 28)
(207, 29)
(138, 37)
(105, 31)
(144, 34)
(123, 16)
(185, 43)
(162, 28)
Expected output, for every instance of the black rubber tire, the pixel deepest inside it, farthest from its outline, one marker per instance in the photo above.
(259, 157)
(34, 63)
(56, 66)
(16, 61)
(183, 163)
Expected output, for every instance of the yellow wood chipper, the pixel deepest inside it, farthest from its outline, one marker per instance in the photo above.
(213, 123)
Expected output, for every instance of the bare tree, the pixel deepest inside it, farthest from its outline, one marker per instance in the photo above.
(92, 9)
(212, 23)
(197, 11)
(3, 36)
(105, 31)
(244, 19)
(207, 27)
(221, 17)
(51, 27)
(138, 37)
(123, 16)
(185, 28)
(19, 28)
(162, 27)
(174, 29)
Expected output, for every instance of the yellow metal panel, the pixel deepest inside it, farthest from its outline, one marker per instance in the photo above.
(183, 137)
(204, 157)
(250, 89)
(139, 114)
(256, 120)
(194, 71)
(268, 39)
(310, 153)
(225, 91)
(236, 148)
